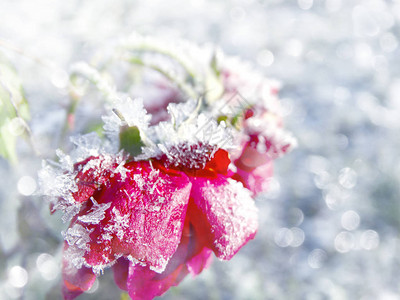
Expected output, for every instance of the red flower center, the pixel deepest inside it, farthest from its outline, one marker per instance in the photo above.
(198, 160)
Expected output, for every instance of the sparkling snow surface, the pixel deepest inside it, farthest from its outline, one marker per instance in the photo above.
(329, 225)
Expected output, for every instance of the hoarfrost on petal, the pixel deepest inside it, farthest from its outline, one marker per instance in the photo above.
(145, 218)
(77, 238)
(96, 213)
(230, 212)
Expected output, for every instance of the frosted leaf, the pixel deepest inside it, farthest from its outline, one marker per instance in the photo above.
(126, 112)
(96, 213)
(131, 113)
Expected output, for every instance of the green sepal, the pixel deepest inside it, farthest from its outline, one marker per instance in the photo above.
(130, 140)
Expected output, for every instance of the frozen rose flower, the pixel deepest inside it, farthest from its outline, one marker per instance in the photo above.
(185, 189)
(155, 222)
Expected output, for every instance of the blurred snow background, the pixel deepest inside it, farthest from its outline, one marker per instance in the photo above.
(329, 225)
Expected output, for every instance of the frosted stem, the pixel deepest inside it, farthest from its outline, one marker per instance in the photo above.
(181, 85)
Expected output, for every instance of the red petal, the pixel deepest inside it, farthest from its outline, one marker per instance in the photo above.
(144, 220)
(228, 210)
(143, 283)
(93, 173)
(219, 162)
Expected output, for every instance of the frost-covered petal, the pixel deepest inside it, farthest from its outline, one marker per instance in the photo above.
(94, 173)
(191, 256)
(75, 281)
(143, 283)
(228, 211)
(144, 219)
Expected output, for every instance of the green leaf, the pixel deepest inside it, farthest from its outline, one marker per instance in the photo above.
(14, 110)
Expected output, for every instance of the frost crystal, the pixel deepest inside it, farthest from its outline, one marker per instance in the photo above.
(192, 143)
(96, 213)
(77, 238)
(181, 111)
(126, 112)
(58, 180)
(118, 225)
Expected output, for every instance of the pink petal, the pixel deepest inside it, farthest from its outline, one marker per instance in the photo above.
(121, 270)
(145, 284)
(257, 180)
(144, 220)
(251, 158)
(228, 211)
(200, 261)
(76, 281)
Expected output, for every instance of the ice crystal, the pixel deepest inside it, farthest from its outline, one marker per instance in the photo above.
(118, 225)
(180, 112)
(77, 238)
(58, 180)
(96, 213)
(130, 113)
(192, 143)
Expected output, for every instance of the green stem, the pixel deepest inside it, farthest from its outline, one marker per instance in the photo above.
(158, 49)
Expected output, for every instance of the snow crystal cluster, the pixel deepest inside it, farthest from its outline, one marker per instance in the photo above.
(58, 179)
